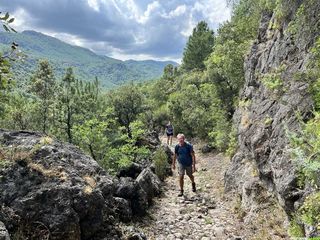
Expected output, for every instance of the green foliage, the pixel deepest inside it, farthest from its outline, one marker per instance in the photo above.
(43, 85)
(93, 135)
(121, 156)
(273, 80)
(198, 47)
(300, 26)
(295, 229)
(310, 210)
(5, 75)
(160, 160)
(6, 20)
(305, 150)
(21, 112)
(5, 81)
(307, 215)
(225, 64)
(127, 102)
(233, 143)
(191, 106)
(221, 130)
(313, 73)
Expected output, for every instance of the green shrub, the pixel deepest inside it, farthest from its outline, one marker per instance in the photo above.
(310, 210)
(273, 80)
(233, 143)
(161, 164)
(308, 214)
(295, 229)
(305, 151)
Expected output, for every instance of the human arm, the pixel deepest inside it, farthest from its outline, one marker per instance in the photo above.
(193, 161)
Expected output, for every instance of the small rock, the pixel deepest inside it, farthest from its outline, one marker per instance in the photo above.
(205, 238)
(178, 235)
(219, 232)
(171, 237)
(237, 238)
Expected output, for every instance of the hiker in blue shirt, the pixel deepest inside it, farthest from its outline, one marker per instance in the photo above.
(169, 132)
(183, 151)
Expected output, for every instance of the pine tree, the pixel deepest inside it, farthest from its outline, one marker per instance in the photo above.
(67, 104)
(198, 48)
(43, 86)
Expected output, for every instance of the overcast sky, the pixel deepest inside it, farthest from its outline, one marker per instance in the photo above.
(122, 29)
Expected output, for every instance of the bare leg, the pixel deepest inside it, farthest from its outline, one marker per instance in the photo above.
(181, 182)
(193, 183)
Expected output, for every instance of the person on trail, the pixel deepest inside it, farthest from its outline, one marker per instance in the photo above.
(169, 132)
(184, 153)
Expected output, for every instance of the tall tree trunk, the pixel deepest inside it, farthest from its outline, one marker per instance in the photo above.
(69, 125)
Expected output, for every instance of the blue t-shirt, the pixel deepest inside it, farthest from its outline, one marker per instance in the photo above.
(184, 153)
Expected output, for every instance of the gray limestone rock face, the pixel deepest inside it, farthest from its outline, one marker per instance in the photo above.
(263, 143)
(49, 188)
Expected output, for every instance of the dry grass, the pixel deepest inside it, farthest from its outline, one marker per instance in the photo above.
(87, 190)
(90, 181)
(48, 172)
(245, 120)
(10, 155)
(46, 140)
(91, 184)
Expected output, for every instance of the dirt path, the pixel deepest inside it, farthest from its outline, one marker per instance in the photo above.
(205, 214)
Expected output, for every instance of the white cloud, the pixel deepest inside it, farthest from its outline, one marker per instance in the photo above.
(156, 29)
(178, 11)
(68, 38)
(22, 19)
(213, 11)
(126, 8)
(94, 4)
(151, 9)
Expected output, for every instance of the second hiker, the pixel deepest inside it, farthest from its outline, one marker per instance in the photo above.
(169, 132)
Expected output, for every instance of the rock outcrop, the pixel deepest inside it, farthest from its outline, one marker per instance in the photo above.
(262, 162)
(51, 189)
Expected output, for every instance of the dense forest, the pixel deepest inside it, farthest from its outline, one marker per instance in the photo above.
(199, 97)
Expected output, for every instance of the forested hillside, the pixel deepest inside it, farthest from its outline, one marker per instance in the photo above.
(87, 65)
(249, 90)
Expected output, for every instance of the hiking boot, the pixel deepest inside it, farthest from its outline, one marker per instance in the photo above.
(194, 187)
(180, 194)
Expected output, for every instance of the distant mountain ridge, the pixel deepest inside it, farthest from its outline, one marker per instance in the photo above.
(86, 64)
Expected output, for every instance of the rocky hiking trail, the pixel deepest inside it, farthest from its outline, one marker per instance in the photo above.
(206, 214)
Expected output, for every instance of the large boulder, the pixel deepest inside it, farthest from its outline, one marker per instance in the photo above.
(140, 191)
(51, 189)
(132, 171)
(149, 183)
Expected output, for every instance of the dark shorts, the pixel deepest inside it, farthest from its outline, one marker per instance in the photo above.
(169, 134)
(182, 170)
